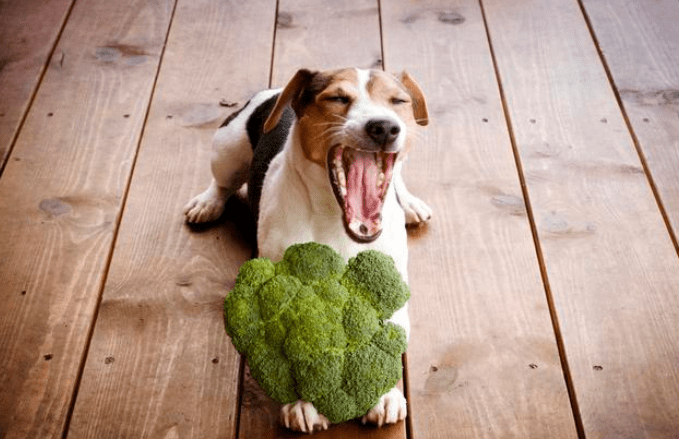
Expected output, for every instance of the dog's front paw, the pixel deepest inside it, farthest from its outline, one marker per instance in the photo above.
(303, 416)
(390, 409)
(207, 206)
(417, 211)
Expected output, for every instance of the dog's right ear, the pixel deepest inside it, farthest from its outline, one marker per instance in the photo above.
(291, 95)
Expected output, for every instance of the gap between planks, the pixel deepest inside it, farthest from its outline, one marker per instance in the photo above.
(126, 192)
(271, 65)
(572, 396)
(34, 93)
(580, 317)
(630, 128)
(281, 66)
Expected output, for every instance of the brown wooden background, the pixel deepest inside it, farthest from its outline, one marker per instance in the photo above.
(545, 289)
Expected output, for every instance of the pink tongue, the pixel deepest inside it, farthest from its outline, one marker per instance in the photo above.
(363, 197)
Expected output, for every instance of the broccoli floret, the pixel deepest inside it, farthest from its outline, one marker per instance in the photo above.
(270, 367)
(311, 262)
(373, 276)
(391, 339)
(360, 321)
(313, 327)
(255, 272)
(242, 317)
(365, 375)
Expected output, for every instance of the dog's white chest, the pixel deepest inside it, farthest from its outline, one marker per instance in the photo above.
(297, 205)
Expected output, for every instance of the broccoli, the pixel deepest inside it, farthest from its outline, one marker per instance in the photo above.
(314, 327)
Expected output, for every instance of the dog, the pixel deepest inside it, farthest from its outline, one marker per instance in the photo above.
(322, 159)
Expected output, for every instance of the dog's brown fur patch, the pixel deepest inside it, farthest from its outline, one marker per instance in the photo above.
(326, 113)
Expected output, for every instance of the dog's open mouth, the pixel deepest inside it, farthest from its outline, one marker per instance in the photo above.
(360, 180)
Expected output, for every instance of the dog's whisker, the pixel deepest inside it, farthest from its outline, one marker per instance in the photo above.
(330, 132)
(329, 123)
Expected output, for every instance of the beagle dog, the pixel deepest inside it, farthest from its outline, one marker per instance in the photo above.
(322, 160)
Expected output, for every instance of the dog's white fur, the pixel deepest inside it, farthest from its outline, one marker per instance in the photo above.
(298, 205)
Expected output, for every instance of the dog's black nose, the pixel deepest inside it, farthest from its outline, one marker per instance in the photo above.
(382, 131)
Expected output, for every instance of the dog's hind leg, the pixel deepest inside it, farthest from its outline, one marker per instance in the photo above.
(231, 158)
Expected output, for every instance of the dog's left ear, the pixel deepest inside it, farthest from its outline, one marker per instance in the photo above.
(419, 105)
(291, 95)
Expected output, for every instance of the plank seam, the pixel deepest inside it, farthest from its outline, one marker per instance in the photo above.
(34, 93)
(116, 230)
(239, 393)
(577, 417)
(241, 366)
(410, 432)
(630, 128)
(273, 44)
(379, 21)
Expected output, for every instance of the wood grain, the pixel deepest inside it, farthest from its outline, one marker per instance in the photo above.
(611, 264)
(160, 363)
(325, 35)
(639, 43)
(317, 35)
(28, 31)
(60, 197)
(483, 360)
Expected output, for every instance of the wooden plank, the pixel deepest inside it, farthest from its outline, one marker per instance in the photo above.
(483, 360)
(60, 197)
(325, 35)
(160, 362)
(611, 265)
(28, 31)
(639, 42)
(317, 35)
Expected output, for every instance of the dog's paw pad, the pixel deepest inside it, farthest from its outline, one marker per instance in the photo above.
(390, 409)
(416, 210)
(303, 416)
(204, 208)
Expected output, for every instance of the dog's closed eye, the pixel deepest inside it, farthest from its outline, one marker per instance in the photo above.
(399, 100)
(340, 99)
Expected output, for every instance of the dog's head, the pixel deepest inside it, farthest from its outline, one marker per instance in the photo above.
(356, 124)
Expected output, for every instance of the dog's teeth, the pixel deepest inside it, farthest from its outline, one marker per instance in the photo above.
(380, 179)
(341, 176)
(337, 160)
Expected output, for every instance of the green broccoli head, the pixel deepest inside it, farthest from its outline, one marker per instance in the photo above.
(314, 327)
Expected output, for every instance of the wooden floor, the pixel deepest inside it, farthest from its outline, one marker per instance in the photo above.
(545, 289)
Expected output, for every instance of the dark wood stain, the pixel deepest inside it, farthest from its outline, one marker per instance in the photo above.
(453, 18)
(132, 55)
(285, 20)
(54, 207)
